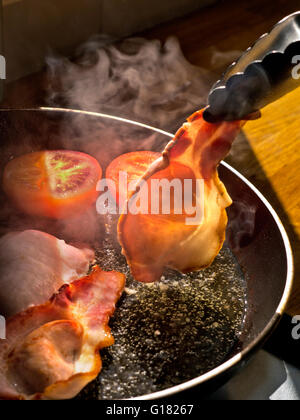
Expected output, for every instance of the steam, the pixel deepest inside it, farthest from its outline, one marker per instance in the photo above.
(146, 81)
(81, 231)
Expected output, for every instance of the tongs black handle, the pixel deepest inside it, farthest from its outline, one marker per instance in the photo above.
(263, 74)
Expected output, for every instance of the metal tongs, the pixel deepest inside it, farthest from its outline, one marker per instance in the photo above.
(264, 73)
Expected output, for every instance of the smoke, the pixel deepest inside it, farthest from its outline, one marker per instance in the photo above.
(143, 80)
(220, 60)
(241, 226)
(82, 231)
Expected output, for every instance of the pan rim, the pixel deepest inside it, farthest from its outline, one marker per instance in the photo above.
(256, 343)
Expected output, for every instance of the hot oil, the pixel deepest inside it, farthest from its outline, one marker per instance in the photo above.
(172, 331)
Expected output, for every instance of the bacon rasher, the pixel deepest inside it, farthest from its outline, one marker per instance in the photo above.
(52, 350)
(152, 242)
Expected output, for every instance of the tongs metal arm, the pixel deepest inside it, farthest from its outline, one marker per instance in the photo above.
(263, 74)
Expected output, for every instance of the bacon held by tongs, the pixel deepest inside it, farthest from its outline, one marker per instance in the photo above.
(152, 242)
(52, 350)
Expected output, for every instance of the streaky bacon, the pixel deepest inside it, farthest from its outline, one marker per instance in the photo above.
(52, 350)
(152, 242)
(33, 266)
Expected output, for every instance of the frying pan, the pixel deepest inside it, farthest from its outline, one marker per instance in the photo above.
(262, 252)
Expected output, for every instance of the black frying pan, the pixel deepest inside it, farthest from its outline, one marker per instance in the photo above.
(234, 306)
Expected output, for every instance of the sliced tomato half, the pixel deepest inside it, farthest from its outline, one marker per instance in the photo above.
(135, 165)
(55, 184)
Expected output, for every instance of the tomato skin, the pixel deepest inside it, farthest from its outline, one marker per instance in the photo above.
(31, 182)
(135, 164)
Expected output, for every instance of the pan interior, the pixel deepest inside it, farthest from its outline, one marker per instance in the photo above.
(185, 325)
(172, 331)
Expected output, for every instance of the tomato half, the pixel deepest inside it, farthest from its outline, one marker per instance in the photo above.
(135, 165)
(55, 184)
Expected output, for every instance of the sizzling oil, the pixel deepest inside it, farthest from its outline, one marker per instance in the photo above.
(172, 331)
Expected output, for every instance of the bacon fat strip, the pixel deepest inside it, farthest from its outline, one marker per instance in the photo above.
(153, 242)
(33, 266)
(52, 350)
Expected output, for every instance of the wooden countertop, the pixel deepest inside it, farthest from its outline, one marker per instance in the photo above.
(269, 155)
